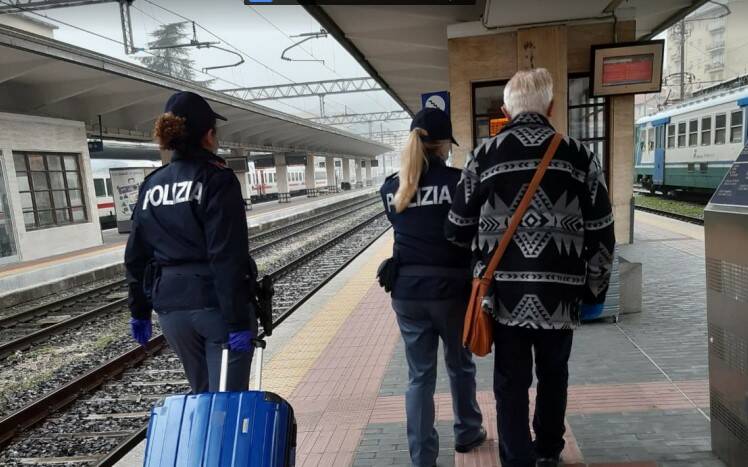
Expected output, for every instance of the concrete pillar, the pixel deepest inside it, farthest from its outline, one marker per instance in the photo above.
(359, 177)
(242, 176)
(621, 157)
(546, 47)
(369, 180)
(332, 185)
(281, 177)
(346, 171)
(311, 188)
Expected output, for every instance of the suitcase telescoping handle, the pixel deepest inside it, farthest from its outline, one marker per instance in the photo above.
(259, 347)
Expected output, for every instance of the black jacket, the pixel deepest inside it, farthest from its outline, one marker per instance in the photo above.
(188, 248)
(562, 252)
(419, 235)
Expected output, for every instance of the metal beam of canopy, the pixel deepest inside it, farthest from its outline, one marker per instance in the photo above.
(308, 89)
(49, 78)
(345, 119)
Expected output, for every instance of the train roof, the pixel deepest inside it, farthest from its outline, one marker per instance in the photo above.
(699, 103)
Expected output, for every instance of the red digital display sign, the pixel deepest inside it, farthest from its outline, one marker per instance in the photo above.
(631, 69)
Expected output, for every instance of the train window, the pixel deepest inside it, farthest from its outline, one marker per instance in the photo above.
(691, 167)
(693, 132)
(99, 187)
(706, 131)
(671, 135)
(650, 139)
(108, 186)
(720, 125)
(681, 134)
(736, 126)
(703, 166)
(50, 189)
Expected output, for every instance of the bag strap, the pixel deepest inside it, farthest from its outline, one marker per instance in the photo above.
(523, 205)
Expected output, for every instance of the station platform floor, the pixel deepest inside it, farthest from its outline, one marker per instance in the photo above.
(27, 275)
(638, 393)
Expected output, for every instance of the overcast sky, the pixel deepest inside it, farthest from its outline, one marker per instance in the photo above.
(260, 32)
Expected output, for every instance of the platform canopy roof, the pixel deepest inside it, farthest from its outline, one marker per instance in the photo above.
(404, 47)
(45, 77)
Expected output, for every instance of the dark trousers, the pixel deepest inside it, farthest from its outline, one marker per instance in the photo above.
(197, 337)
(422, 324)
(512, 379)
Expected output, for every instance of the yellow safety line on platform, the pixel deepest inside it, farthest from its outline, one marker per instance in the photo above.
(288, 366)
(67, 257)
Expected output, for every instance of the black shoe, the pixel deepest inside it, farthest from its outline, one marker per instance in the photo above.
(548, 462)
(474, 444)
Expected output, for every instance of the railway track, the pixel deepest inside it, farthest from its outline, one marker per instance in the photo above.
(100, 427)
(34, 325)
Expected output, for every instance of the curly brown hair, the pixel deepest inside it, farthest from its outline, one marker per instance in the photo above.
(170, 131)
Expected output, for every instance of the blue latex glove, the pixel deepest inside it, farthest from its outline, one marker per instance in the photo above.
(141, 330)
(241, 341)
(591, 311)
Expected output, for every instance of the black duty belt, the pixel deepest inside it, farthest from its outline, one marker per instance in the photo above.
(433, 271)
(202, 269)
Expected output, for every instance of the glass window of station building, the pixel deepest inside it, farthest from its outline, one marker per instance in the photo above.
(587, 115)
(588, 119)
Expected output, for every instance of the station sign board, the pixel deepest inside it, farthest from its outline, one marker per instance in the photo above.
(627, 68)
(126, 183)
(437, 100)
(733, 191)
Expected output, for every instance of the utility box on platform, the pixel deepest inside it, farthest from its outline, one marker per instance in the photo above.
(726, 237)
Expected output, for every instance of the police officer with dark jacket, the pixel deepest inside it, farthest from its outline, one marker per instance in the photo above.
(187, 256)
(431, 287)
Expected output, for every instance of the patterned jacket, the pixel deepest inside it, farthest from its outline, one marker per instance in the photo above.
(562, 252)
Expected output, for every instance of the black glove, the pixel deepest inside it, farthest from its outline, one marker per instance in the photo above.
(387, 273)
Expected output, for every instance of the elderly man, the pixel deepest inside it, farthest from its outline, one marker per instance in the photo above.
(556, 267)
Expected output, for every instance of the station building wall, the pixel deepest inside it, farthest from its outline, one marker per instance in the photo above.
(31, 134)
(564, 50)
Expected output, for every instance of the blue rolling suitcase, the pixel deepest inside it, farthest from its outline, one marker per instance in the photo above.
(223, 429)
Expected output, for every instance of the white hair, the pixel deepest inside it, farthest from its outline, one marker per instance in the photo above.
(529, 91)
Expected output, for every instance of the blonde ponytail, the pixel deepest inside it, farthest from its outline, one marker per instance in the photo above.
(412, 163)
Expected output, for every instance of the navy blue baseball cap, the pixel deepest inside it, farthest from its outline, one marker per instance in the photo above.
(436, 122)
(198, 114)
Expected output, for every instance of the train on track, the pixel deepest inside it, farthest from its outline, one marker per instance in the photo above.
(261, 182)
(690, 146)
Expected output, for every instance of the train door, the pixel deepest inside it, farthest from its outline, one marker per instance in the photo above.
(658, 177)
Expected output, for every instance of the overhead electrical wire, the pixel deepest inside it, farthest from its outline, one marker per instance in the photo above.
(267, 67)
(288, 36)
